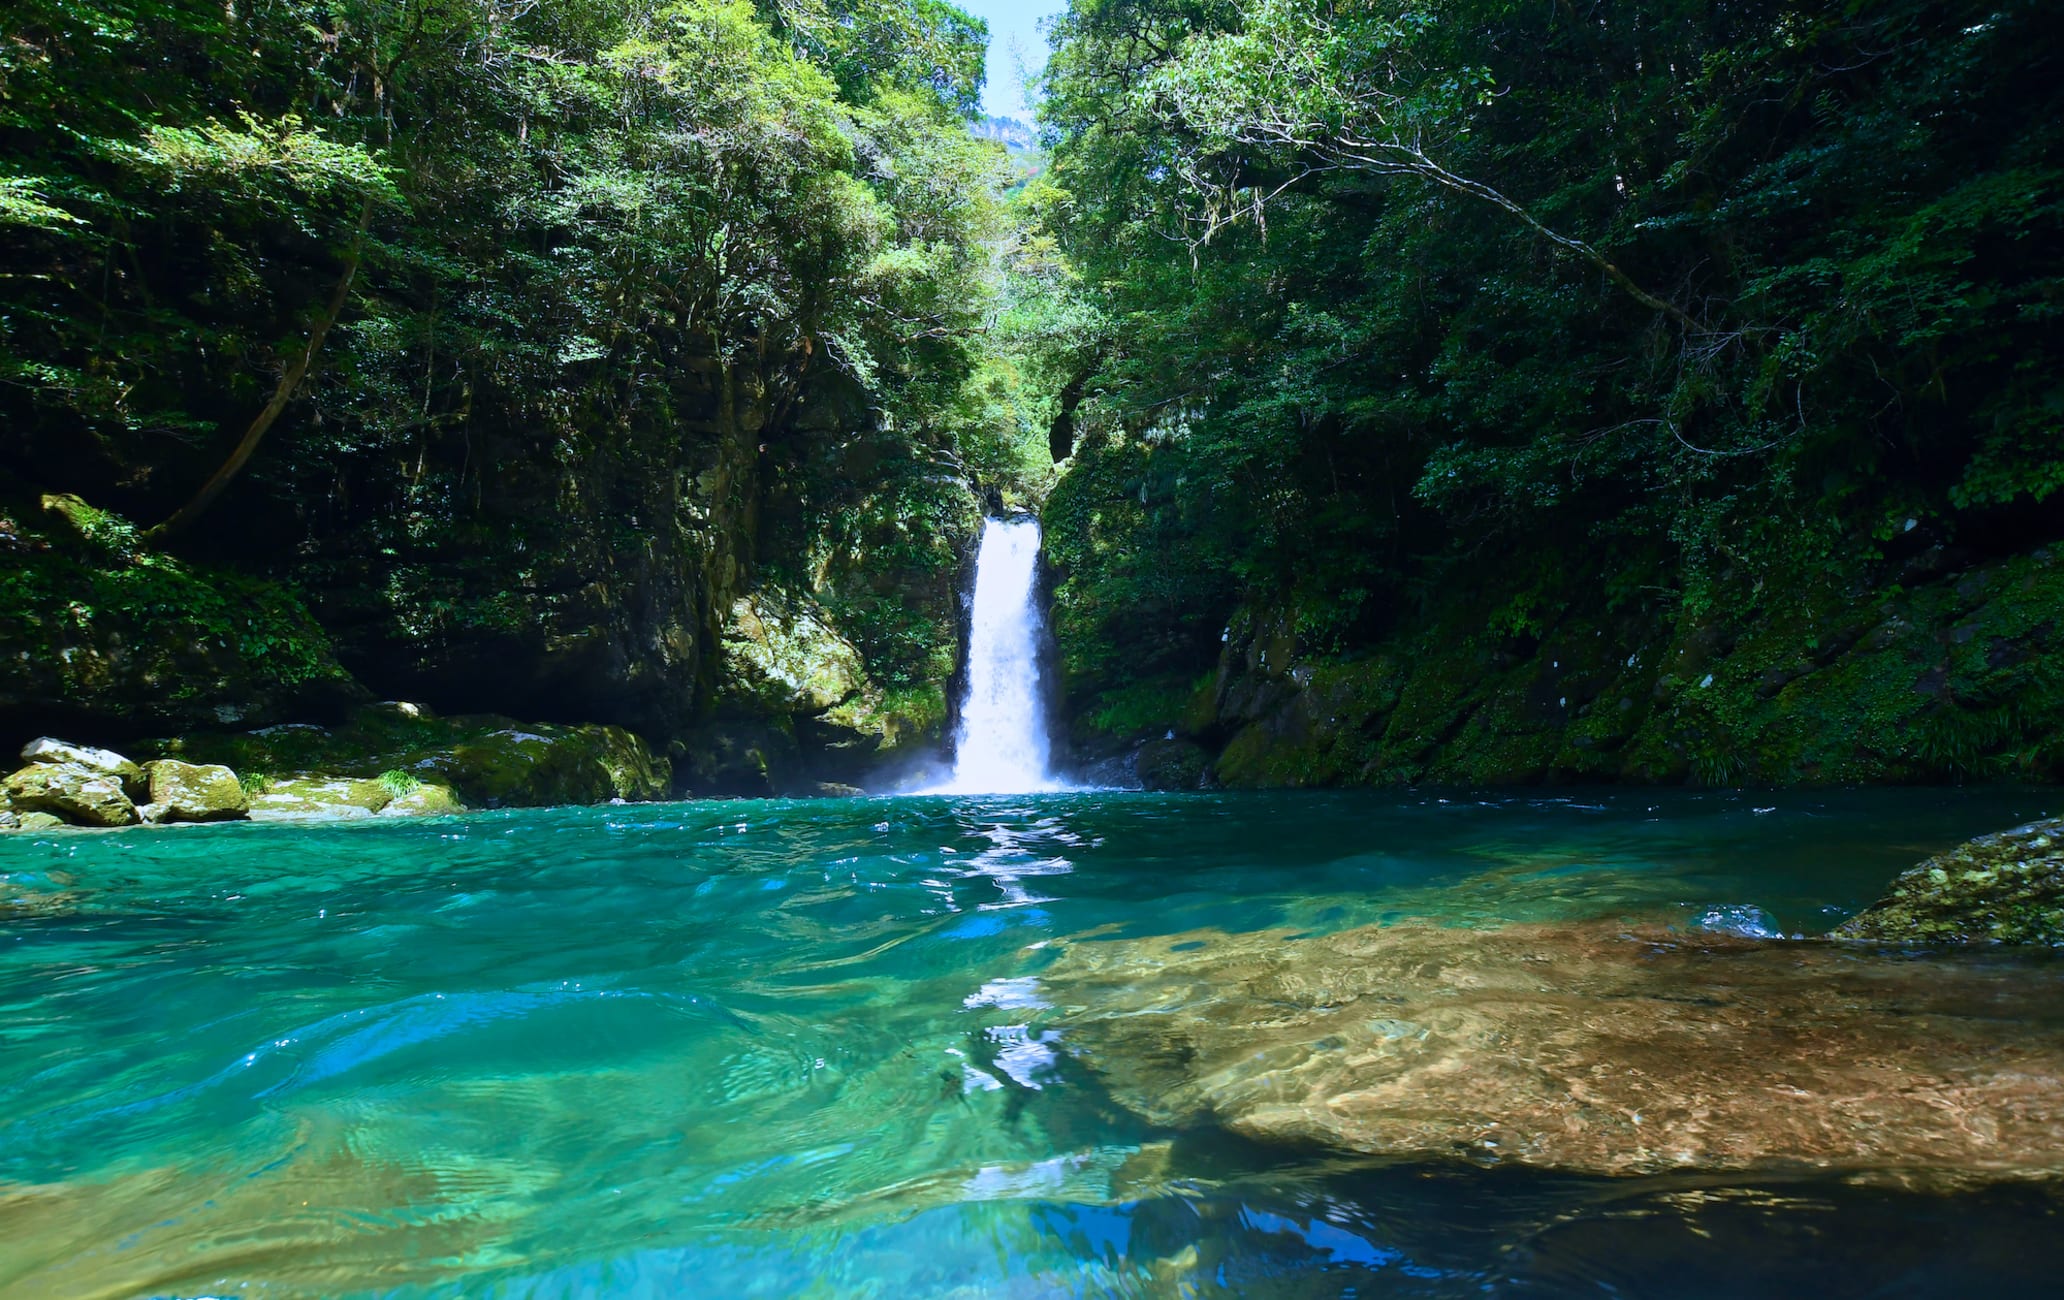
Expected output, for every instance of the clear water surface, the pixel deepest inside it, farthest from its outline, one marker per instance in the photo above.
(782, 1049)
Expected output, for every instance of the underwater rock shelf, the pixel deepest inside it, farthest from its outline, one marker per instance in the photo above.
(1587, 1048)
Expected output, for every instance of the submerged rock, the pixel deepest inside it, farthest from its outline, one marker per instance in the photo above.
(196, 792)
(75, 794)
(2001, 888)
(1579, 1047)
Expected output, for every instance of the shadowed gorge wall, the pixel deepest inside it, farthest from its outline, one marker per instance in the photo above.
(1649, 391)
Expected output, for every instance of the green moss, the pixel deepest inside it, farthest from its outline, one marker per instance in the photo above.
(1143, 708)
(914, 714)
(103, 624)
(2003, 888)
(392, 749)
(1816, 682)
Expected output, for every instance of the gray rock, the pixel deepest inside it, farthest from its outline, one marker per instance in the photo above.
(47, 749)
(8, 821)
(834, 790)
(1172, 764)
(150, 814)
(197, 792)
(76, 794)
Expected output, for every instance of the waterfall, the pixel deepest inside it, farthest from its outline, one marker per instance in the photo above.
(1002, 745)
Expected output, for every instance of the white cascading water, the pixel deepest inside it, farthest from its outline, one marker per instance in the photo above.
(1002, 745)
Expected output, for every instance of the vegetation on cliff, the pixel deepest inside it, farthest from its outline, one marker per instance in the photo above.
(514, 342)
(1664, 390)
(1477, 391)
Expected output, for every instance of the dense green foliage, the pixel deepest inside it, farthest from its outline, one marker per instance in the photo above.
(1451, 337)
(556, 202)
(1662, 307)
(582, 292)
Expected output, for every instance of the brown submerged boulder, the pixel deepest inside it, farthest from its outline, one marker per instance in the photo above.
(1580, 1047)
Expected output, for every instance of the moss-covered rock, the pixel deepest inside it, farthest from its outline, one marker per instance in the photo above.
(318, 798)
(301, 798)
(516, 766)
(47, 749)
(196, 792)
(386, 752)
(795, 706)
(781, 655)
(1172, 763)
(78, 795)
(101, 633)
(424, 799)
(2002, 888)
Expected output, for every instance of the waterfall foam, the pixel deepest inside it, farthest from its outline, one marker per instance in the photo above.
(1002, 745)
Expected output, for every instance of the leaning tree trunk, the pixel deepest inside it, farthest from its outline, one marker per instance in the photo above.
(282, 393)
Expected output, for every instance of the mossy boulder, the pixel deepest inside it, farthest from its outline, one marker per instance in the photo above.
(320, 798)
(46, 749)
(395, 759)
(424, 799)
(102, 632)
(795, 707)
(782, 655)
(2002, 888)
(515, 765)
(76, 794)
(315, 797)
(196, 792)
(1172, 763)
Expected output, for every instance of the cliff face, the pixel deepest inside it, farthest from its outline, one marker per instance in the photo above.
(578, 571)
(1941, 669)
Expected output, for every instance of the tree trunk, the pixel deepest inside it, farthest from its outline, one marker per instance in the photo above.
(282, 393)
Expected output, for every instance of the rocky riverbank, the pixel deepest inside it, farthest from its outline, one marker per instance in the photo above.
(814, 654)
(1937, 669)
(389, 760)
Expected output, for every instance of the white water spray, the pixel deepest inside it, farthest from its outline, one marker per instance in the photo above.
(1002, 745)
